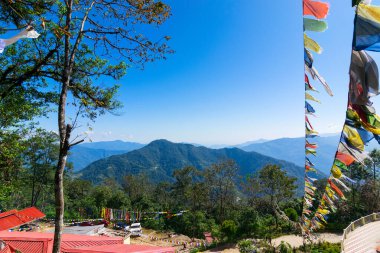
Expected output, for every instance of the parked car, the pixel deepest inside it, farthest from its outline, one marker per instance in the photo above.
(120, 225)
(104, 222)
(86, 224)
(135, 229)
(25, 227)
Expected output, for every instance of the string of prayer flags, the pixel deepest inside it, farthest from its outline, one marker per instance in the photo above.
(29, 32)
(318, 10)
(361, 124)
(111, 214)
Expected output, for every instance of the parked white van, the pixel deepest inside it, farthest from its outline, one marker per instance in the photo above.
(135, 229)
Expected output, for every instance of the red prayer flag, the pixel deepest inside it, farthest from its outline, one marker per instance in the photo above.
(336, 189)
(316, 9)
(345, 158)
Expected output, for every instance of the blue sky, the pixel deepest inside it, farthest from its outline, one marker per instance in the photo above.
(236, 76)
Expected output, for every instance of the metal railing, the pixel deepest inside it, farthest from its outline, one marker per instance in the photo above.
(358, 223)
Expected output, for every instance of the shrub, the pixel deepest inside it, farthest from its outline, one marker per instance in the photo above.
(229, 229)
(291, 213)
(246, 246)
(285, 247)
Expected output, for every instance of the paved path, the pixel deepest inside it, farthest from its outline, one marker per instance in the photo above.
(364, 239)
(296, 240)
(293, 240)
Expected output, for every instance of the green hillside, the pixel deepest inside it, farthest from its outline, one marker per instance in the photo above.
(160, 158)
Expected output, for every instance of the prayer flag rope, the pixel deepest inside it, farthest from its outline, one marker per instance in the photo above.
(315, 11)
(362, 124)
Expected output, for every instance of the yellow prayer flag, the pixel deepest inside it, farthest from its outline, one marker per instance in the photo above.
(311, 44)
(353, 137)
(369, 12)
(336, 172)
(310, 97)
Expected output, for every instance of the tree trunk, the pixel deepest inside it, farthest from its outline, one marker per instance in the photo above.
(59, 203)
(58, 189)
(33, 183)
(64, 136)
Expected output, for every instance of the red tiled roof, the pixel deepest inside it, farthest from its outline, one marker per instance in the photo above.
(43, 242)
(30, 242)
(208, 237)
(31, 213)
(15, 218)
(122, 248)
(7, 249)
(8, 213)
(76, 241)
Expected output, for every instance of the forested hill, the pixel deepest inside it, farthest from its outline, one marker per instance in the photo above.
(160, 158)
(83, 154)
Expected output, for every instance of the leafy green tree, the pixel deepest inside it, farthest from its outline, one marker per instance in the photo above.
(249, 222)
(193, 224)
(274, 183)
(139, 188)
(220, 180)
(375, 156)
(119, 200)
(285, 247)
(163, 195)
(292, 214)
(229, 230)
(246, 246)
(81, 43)
(189, 188)
(274, 186)
(40, 158)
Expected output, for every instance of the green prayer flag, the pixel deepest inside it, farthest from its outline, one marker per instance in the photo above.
(314, 25)
(340, 165)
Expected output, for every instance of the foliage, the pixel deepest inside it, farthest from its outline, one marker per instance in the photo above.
(193, 224)
(285, 247)
(321, 247)
(229, 229)
(246, 246)
(291, 213)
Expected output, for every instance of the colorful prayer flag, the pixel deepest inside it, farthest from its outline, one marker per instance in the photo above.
(315, 8)
(314, 25)
(367, 28)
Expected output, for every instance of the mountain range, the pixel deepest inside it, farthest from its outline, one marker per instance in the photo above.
(82, 155)
(288, 149)
(293, 150)
(160, 158)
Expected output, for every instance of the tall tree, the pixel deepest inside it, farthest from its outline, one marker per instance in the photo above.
(40, 158)
(84, 42)
(187, 187)
(221, 179)
(273, 184)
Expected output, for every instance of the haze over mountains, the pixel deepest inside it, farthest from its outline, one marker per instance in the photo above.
(288, 149)
(84, 154)
(160, 158)
(293, 150)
